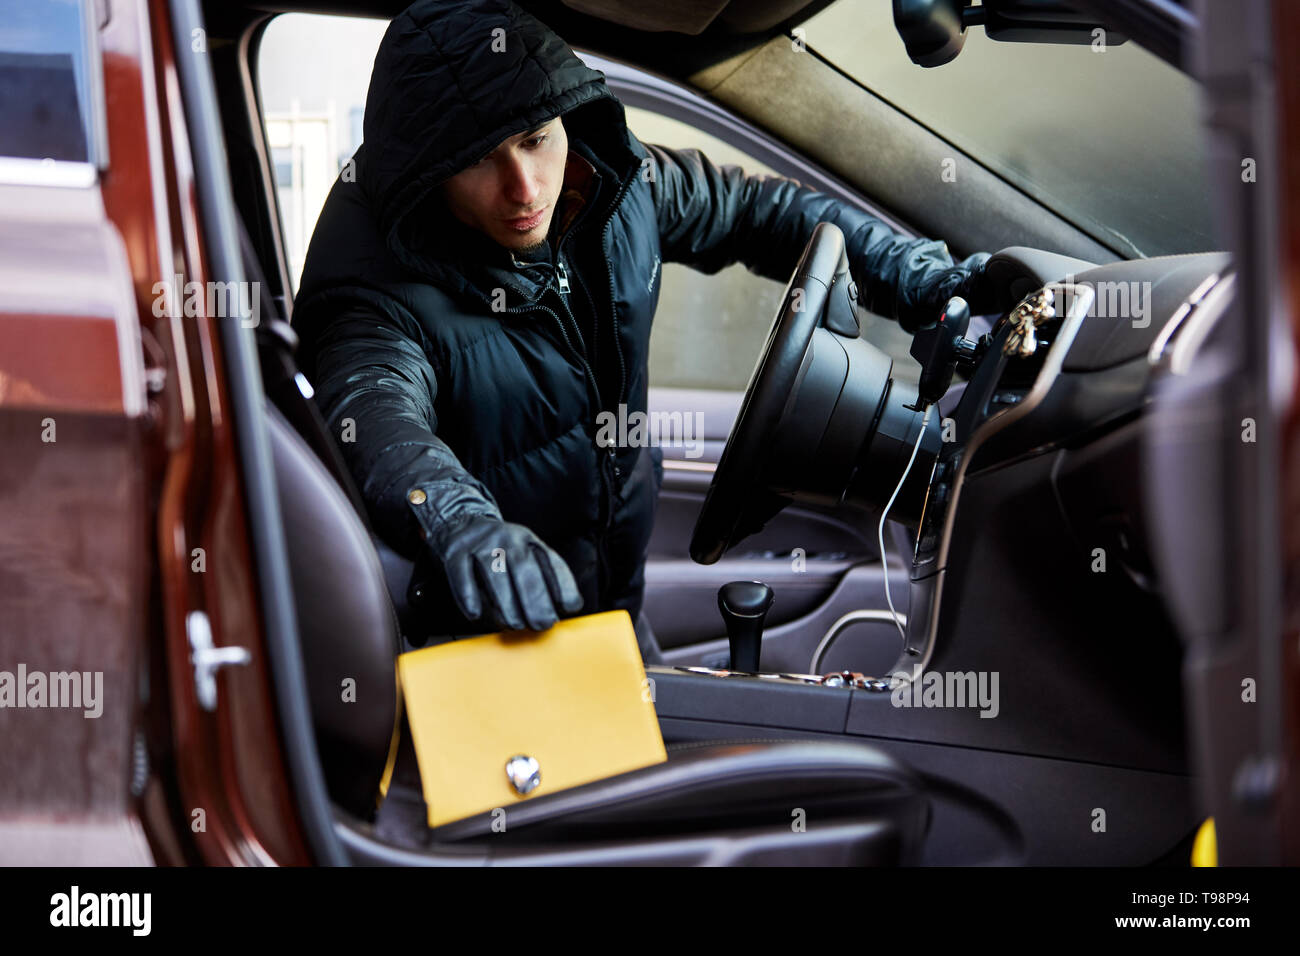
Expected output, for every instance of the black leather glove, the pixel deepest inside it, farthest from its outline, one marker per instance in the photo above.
(976, 288)
(504, 572)
(968, 279)
(500, 574)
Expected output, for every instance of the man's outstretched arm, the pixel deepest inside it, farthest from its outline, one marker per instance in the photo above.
(711, 216)
(376, 389)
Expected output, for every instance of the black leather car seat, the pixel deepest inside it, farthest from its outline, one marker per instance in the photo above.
(749, 802)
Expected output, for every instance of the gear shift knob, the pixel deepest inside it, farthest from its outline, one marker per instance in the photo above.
(744, 605)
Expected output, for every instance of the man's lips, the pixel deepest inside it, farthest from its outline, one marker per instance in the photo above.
(528, 222)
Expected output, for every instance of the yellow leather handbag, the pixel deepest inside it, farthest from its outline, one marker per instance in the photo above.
(508, 717)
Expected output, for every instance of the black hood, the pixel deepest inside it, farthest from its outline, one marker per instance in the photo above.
(451, 81)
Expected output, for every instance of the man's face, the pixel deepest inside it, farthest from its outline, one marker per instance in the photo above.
(503, 194)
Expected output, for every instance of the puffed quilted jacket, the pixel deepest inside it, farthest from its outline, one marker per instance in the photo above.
(442, 363)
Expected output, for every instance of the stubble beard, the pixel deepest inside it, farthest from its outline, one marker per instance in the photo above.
(532, 247)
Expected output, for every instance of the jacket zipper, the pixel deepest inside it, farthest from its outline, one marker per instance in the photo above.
(609, 268)
(564, 288)
(563, 277)
(606, 481)
(595, 325)
(562, 282)
(609, 458)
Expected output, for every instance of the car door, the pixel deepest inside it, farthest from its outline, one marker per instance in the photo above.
(823, 564)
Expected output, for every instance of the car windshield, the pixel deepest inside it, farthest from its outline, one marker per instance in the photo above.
(1106, 134)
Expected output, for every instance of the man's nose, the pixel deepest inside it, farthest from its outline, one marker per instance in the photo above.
(521, 185)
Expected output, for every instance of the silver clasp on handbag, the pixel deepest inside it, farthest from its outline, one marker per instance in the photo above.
(524, 773)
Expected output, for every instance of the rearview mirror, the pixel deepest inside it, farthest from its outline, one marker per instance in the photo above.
(933, 31)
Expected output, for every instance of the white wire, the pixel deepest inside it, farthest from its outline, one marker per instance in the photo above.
(884, 558)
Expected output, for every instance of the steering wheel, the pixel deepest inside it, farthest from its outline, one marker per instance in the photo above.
(737, 503)
(823, 419)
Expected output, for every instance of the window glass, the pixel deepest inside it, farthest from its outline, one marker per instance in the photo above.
(1107, 134)
(45, 81)
(314, 72)
(708, 329)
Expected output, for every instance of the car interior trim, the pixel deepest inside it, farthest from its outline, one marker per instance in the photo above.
(1202, 320)
(1170, 328)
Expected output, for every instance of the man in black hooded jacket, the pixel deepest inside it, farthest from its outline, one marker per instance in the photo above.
(481, 288)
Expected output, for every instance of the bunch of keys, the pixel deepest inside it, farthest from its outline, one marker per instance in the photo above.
(1035, 309)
